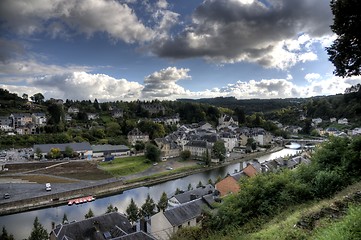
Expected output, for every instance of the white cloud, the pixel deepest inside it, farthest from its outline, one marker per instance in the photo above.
(310, 77)
(80, 16)
(162, 84)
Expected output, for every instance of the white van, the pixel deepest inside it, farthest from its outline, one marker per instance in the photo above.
(47, 187)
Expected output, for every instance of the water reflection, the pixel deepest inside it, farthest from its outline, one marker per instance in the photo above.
(121, 201)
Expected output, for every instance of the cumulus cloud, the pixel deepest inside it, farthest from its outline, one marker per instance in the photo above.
(310, 77)
(229, 31)
(79, 16)
(162, 84)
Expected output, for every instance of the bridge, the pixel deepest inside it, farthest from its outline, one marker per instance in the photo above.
(303, 142)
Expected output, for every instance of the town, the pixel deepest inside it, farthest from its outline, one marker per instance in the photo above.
(71, 134)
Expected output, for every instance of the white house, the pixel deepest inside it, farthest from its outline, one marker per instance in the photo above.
(39, 118)
(343, 121)
(164, 224)
(230, 140)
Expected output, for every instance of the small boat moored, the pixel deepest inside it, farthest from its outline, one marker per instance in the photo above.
(81, 200)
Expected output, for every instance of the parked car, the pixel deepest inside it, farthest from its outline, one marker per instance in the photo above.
(169, 168)
(6, 196)
(48, 187)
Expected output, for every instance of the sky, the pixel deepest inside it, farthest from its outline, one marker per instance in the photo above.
(126, 50)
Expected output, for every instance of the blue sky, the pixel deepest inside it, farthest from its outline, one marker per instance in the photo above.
(132, 49)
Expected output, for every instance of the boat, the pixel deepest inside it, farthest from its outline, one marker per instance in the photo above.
(81, 200)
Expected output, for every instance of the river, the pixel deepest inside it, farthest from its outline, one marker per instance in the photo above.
(20, 224)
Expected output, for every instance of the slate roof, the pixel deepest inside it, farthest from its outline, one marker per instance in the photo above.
(136, 236)
(178, 215)
(197, 193)
(197, 143)
(83, 146)
(109, 148)
(112, 224)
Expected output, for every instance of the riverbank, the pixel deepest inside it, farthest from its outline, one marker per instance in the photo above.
(104, 188)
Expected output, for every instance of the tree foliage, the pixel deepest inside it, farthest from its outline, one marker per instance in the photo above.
(89, 214)
(345, 52)
(132, 211)
(152, 152)
(38, 232)
(185, 155)
(148, 207)
(219, 150)
(5, 236)
(163, 202)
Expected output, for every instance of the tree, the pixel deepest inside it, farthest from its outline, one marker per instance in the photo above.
(113, 129)
(56, 112)
(152, 152)
(38, 153)
(163, 202)
(189, 187)
(207, 157)
(345, 52)
(185, 155)
(37, 98)
(200, 184)
(132, 211)
(38, 232)
(54, 153)
(89, 214)
(5, 236)
(65, 218)
(25, 96)
(148, 207)
(251, 144)
(110, 209)
(69, 152)
(139, 146)
(219, 150)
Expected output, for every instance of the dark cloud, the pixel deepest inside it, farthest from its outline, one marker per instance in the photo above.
(229, 31)
(10, 50)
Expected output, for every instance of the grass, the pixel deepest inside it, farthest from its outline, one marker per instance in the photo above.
(282, 226)
(348, 228)
(163, 174)
(125, 166)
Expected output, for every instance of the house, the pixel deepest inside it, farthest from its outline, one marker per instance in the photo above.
(39, 118)
(164, 224)
(20, 119)
(343, 121)
(198, 148)
(356, 131)
(6, 123)
(83, 149)
(117, 113)
(72, 110)
(29, 128)
(333, 119)
(190, 195)
(107, 149)
(137, 136)
(168, 147)
(154, 108)
(68, 118)
(109, 226)
(230, 140)
(92, 116)
(226, 120)
(316, 121)
(228, 185)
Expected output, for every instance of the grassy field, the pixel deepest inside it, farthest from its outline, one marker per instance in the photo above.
(163, 174)
(282, 226)
(125, 166)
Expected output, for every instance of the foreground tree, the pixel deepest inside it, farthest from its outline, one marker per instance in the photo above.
(38, 98)
(132, 211)
(163, 202)
(148, 207)
(5, 236)
(345, 52)
(89, 214)
(111, 209)
(38, 232)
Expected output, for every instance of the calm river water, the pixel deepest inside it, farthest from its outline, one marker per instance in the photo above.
(20, 224)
